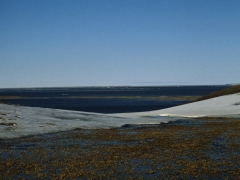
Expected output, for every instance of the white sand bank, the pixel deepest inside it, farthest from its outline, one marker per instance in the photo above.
(19, 121)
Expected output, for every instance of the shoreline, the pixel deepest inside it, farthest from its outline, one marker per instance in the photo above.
(19, 121)
(205, 147)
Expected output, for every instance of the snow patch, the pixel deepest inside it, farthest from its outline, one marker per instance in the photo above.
(31, 120)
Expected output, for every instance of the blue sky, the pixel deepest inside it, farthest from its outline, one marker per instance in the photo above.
(50, 43)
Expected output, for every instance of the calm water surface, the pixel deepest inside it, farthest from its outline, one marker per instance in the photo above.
(104, 99)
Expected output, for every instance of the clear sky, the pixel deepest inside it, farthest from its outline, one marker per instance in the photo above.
(50, 43)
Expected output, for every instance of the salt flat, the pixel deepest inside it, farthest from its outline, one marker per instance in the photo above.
(19, 121)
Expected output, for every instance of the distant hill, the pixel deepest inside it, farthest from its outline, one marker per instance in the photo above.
(231, 90)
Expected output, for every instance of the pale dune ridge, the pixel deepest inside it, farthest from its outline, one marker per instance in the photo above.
(20, 121)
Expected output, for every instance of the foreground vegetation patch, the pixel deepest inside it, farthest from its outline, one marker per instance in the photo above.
(202, 148)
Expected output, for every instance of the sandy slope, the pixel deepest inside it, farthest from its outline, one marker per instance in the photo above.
(18, 121)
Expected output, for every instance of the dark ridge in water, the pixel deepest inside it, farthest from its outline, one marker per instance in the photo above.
(112, 99)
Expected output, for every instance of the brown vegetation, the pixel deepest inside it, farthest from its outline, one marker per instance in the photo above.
(201, 148)
(230, 90)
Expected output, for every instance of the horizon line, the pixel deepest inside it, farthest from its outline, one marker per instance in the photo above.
(230, 84)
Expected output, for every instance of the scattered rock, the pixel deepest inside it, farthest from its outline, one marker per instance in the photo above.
(8, 124)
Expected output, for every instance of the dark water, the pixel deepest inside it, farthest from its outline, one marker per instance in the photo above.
(104, 99)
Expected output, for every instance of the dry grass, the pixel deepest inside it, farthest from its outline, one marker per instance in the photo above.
(203, 148)
(231, 90)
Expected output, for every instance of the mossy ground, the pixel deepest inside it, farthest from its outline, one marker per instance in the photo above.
(207, 148)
